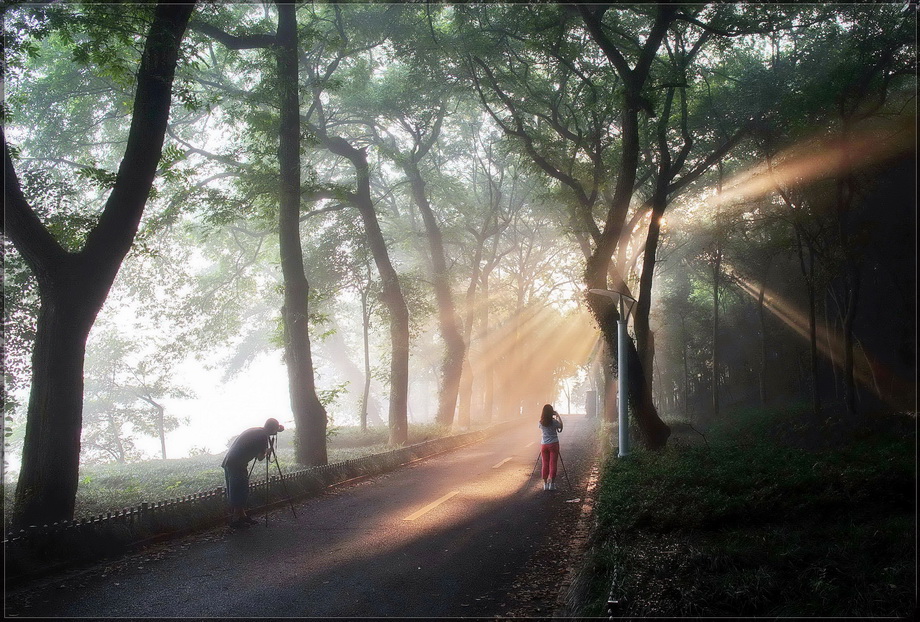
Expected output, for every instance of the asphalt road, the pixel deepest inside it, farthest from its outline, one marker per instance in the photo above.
(467, 533)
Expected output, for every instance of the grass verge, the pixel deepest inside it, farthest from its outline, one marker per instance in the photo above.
(761, 522)
(110, 487)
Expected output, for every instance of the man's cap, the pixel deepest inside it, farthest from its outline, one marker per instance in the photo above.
(272, 426)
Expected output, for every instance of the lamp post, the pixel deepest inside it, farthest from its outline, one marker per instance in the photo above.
(623, 368)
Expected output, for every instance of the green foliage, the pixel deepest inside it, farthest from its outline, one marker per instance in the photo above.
(99, 177)
(764, 528)
(328, 397)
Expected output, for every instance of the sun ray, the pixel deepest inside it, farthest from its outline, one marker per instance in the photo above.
(868, 372)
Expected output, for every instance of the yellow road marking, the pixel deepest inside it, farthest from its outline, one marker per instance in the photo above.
(501, 463)
(431, 506)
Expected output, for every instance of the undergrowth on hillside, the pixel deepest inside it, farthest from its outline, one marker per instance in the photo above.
(768, 518)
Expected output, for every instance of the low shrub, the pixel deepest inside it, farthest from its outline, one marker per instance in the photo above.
(760, 522)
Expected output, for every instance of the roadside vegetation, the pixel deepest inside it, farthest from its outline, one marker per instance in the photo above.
(109, 487)
(768, 517)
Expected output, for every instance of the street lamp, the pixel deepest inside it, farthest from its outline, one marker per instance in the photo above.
(623, 412)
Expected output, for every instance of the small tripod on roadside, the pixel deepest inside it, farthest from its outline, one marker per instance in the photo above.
(269, 456)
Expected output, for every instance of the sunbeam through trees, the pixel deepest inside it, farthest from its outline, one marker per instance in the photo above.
(398, 209)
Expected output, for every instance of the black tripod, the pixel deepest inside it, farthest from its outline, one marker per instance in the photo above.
(269, 456)
(564, 470)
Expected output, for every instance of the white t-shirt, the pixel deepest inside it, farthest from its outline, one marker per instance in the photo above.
(550, 432)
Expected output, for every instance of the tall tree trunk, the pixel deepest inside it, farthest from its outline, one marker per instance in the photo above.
(684, 348)
(716, 363)
(161, 422)
(454, 344)
(849, 366)
(160, 419)
(655, 432)
(73, 286)
(644, 301)
(659, 204)
(808, 273)
(365, 339)
(488, 371)
(716, 282)
(392, 296)
(399, 326)
(465, 397)
(309, 413)
(391, 292)
(120, 453)
(762, 315)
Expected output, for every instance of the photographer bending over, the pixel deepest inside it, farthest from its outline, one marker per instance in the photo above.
(252, 443)
(550, 426)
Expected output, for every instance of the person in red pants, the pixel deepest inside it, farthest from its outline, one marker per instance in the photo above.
(550, 426)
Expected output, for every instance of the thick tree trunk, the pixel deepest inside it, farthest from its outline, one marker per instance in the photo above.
(48, 481)
(309, 413)
(399, 365)
(663, 176)
(454, 344)
(655, 432)
(644, 301)
(391, 292)
(73, 286)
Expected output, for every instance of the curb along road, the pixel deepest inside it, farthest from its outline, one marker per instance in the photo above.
(49, 550)
(476, 546)
(567, 600)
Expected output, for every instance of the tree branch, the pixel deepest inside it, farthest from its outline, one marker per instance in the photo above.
(233, 42)
(713, 157)
(20, 223)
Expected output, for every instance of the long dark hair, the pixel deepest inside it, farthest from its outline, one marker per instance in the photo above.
(546, 418)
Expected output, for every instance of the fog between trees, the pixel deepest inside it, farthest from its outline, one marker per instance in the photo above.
(407, 203)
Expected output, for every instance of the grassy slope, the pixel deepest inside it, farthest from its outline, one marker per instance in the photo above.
(771, 518)
(110, 487)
